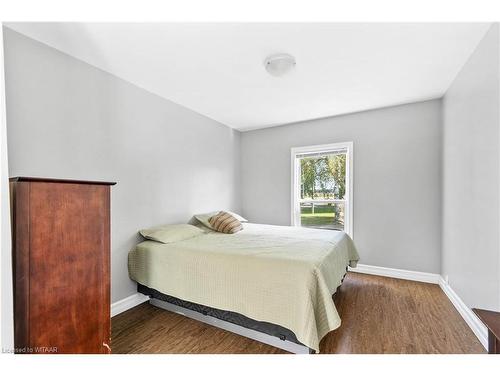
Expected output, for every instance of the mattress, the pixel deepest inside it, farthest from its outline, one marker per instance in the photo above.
(280, 275)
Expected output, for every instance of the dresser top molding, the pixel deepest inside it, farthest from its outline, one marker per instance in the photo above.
(58, 180)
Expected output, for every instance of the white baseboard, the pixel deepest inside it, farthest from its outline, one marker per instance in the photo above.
(470, 318)
(424, 277)
(127, 303)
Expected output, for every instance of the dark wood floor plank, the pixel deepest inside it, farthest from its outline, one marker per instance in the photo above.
(379, 315)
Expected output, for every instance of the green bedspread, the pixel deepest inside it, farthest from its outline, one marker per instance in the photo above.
(282, 275)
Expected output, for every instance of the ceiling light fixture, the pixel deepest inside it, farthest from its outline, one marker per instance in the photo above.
(279, 64)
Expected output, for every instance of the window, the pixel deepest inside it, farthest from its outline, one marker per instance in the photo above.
(322, 186)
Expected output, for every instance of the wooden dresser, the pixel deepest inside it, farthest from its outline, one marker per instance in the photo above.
(61, 265)
(491, 319)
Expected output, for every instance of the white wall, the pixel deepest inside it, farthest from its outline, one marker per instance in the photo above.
(68, 119)
(7, 309)
(397, 179)
(471, 246)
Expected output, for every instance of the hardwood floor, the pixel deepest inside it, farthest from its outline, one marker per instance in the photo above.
(379, 315)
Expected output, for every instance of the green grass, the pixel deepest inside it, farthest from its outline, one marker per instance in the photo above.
(323, 216)
(323, 210)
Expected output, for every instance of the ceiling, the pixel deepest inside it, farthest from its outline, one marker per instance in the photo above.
(217, 69)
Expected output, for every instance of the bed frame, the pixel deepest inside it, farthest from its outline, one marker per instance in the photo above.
(265, 332)
(284, 344)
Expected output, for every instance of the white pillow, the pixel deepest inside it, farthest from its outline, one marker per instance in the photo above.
(240, 218)
(203, 218)
(171, 233)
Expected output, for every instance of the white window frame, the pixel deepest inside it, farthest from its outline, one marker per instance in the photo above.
(295, 189)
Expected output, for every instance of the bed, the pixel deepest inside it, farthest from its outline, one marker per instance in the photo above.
(271, 283)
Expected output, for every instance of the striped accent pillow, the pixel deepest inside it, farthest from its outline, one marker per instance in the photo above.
(225, 223)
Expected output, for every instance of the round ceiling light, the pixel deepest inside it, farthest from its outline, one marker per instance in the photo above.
(279, 64)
